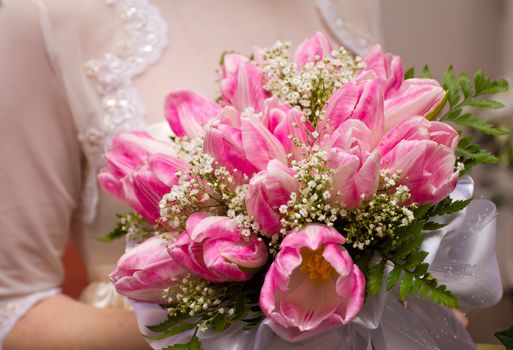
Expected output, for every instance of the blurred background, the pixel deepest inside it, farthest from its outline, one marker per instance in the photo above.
(470, 35)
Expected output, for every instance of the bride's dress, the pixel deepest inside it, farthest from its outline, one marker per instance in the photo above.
(80, 72)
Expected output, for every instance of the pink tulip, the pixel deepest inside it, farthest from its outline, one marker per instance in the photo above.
(360, 99)
(403, 98)
(274, 113)
(213, 248)
(145, 187)
(419, 128)
(313, 283)
(427, 169)
(241, 83)
(285, 122)
(229, 116)
(259, 144)
(388, 68)
(268, 190)
(416, 97)
(187, 112)
(355, 178)
(355, 164)
(315, 47)
(145, 270)
(225, 144)
(128, 151)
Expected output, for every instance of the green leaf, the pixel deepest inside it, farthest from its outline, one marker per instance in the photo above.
(421, 270)
(472, 154)
(426, 73)
(448, 206)
(421, 210)
(452, 114)
(433, 226)
(485, 86)
(417, 285)
(442, 296)
(375, 277)
(409, 247)
(116, 233)
(220, 323)
(506, 338)
(424, 291)
(477, 123)
(451, 85)
(405, 286)
(194, 344)
(176, 329)
(466, 85)
(393, 277)
(484, 104)
(406, 233)
(170, 322)
(410, 73)
(415, 259)
(241, 309)
(364, 260)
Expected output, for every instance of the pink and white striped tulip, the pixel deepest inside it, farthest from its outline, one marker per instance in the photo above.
(213, 248)
(360, 99)
(419, 128)
(241, 83)
(128, 155)
(145, 270)
(259, 144)
(388, 68)
(268, 190)
(415, 97)
(144, 187)
(313, 283)
(354, 162)
(285, 122)
(225, 144)
(315, 47)
(187, 112)
(427, 170)
(355, 178)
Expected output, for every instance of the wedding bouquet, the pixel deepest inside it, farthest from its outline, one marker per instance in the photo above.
(306, 189)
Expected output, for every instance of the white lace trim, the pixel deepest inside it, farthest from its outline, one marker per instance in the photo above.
(143, 38)
(12, 311)
(351, 37)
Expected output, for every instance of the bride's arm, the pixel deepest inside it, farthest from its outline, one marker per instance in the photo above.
(40, 184)
(60, 322)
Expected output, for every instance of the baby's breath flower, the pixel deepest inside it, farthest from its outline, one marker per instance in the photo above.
(310, 87)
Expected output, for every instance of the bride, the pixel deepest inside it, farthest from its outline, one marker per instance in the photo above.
(73, 74)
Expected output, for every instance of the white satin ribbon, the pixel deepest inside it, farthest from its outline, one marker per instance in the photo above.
(462, 256)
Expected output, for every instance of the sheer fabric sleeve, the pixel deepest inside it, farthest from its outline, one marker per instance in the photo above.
(41, 166)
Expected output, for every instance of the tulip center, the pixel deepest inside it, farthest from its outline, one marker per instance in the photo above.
(316, 267)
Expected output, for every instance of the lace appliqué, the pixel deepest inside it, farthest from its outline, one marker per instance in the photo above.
(144, 37)
(12, 311)
(352, 38)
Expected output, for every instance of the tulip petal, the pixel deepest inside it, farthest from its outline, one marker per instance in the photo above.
(259, 144)
(312, 237)
(145, 270)
(416, 97)
(187, 112)
(428, 171)
(387, 67)
(317, 46)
